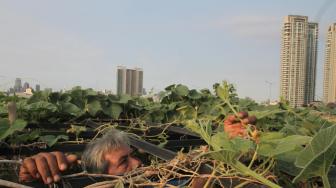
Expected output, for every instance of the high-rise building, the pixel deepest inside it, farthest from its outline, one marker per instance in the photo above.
(329, 83)
(298, 60)
(18, 85)
(311, 62)
(37, 88)
(25, 86)
(129, 81)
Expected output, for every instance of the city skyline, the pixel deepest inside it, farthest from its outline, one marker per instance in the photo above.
(194, 43)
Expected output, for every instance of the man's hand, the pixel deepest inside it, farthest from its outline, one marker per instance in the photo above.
(236, 125)
(45, 166)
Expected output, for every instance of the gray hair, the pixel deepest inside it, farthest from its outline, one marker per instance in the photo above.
(93, 155)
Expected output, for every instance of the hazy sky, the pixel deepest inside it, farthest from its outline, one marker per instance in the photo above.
(64, 43)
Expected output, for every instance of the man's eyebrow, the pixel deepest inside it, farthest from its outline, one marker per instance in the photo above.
(122, 159)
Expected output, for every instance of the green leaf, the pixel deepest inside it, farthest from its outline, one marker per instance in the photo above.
(52, 139)
(91, 92)
(3, 110)
(193, 94)
(181, 90)
(25, 137)
(94, 107)
(18, 125)
(123, 99)
(318, 156)
(114, 111)
(221, 141)
(65, 97)
(170, 87)
(273, 147)
(223, 91)
(42, 105)
(71, 109)
(4, 125)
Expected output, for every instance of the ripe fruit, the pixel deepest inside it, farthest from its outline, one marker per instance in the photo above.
(242, 115)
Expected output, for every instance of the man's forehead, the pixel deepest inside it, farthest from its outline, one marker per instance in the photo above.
(118, 152)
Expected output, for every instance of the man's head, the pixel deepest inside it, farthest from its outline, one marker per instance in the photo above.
(110, 154)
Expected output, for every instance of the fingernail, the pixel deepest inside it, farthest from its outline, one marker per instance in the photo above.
(49, 180)
(63, 166)
(57, 178)
(37, 175)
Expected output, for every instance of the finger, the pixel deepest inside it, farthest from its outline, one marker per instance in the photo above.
(71, 159)
(25, 178)
(30, 165)
(62, 161)
(24, 175)
(242, 115)
(43, 169)
(53, 166)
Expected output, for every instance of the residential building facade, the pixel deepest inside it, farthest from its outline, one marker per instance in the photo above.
(298, 60)
(329, 81)
(129, 81)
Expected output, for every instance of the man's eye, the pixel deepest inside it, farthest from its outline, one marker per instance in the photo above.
(124, 161)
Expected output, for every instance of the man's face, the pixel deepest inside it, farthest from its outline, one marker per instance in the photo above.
(121, 161)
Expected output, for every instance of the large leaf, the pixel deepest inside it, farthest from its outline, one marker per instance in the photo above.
(42, 105)
(181, 90)
(90, 92)
(52, 139)
(318, 156)
(223, 91)
(123, 99)
(71, 109)
(3, 110)
(114, 110)
(18, 125)
(221, 141)
(94, 107)
(25, 137)
(194, 94)
(273, 147)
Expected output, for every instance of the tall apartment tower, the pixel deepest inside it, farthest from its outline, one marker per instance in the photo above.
(329, 82)
(298, 60)
(18, 85)
(129, 81)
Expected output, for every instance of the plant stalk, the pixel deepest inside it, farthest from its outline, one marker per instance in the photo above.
(325, 180)
(245, 170)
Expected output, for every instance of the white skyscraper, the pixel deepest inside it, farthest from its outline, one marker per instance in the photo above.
(298, 60)
(329, 84)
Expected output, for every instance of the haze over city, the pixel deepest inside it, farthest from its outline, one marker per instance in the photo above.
(62, 44)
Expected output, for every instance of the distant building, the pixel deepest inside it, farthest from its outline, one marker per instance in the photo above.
(25, 86)
(37, 88)
(298, 60)
(26, 94)
(106, 92)
(11, 90)
(29, 91)
(48, 90)
(129, 81)
(329, 83)
(18, 85)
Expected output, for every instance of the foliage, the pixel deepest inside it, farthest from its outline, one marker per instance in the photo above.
(295, 144)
